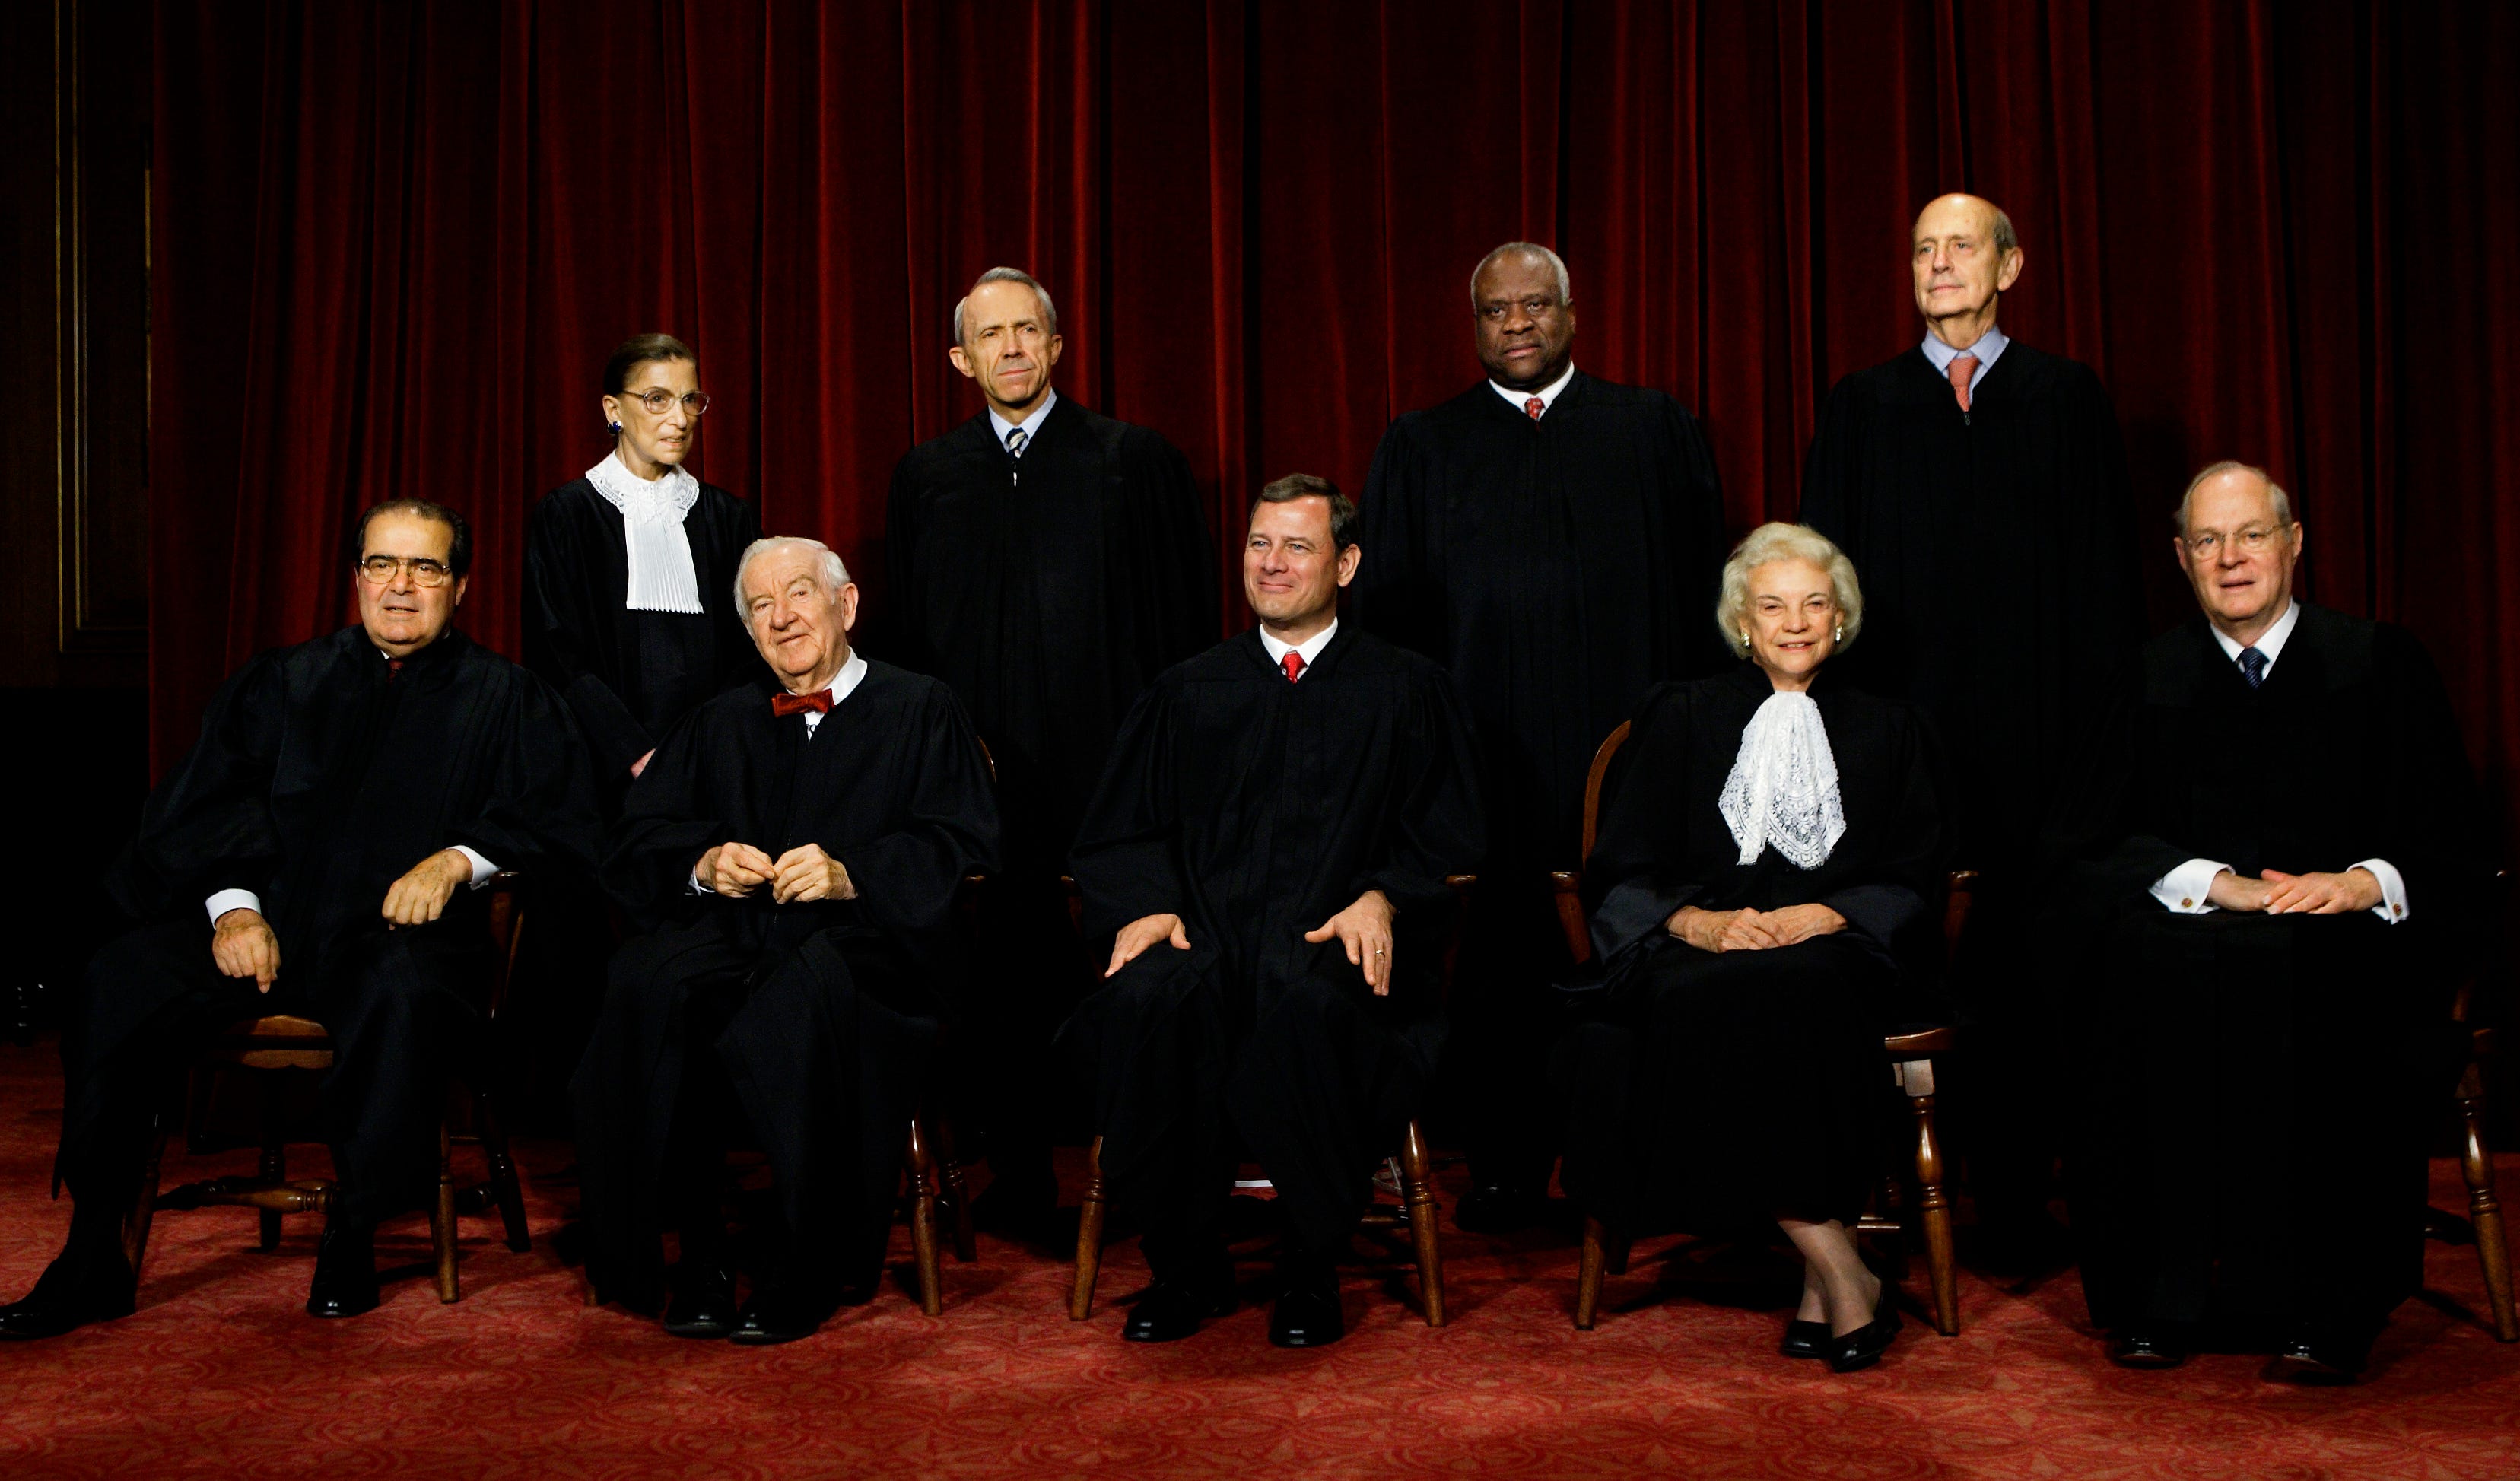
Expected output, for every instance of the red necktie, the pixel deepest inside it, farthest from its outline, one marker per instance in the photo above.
(1961, 367)
(1293, 664)
(1535, 405)
(393, 669)
(819, 701)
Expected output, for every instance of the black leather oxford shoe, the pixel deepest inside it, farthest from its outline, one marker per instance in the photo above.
(2318, 1362)
(703, 1303)
(1307, 1313)
(71, 1293)
(1173, 1308)
(2148, 1349)
(783, 1313)
(345, 1273)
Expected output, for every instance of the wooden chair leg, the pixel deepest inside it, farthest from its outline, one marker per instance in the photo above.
(1933, 1204)
(505, 1188)
(958, 1190)
(1418, 1197)
(1089, 1238)
(2484, 1209)
(441, 1216)
(923, 1222)
(1588, 1274)
(274, 1167)
(135, 1229)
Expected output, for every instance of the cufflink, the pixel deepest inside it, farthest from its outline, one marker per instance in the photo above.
(2189, 903)
(2396, 910)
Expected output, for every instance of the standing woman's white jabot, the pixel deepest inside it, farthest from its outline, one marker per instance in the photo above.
(1782, 792)
(662, 576)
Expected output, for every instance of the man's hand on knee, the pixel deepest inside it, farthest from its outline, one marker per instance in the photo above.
(1142, 932)
(243, 944)
(1365, 930)
(419, 896)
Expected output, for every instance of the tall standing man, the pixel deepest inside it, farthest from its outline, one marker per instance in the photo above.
(1553, 539)
(1046, 563)
(1971, 466)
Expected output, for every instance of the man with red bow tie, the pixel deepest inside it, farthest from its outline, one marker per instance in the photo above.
(792, 852)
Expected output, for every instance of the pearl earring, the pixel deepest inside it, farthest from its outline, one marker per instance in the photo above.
(1745, 637)
(1838, 635)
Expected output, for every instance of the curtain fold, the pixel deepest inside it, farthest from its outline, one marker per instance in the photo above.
(393, 243)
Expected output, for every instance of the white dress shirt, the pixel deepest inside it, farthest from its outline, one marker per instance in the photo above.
(2182, 890)
(1031, 425)
(1989, 349)
(1521, 400)
(843, 684)
(1311, 648)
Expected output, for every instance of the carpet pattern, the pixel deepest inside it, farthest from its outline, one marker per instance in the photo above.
(219, 1372)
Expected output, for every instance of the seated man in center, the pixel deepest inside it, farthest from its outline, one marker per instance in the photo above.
(1266, 853)
(793, 849)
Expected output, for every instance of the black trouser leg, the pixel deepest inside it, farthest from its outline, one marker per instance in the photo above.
(399, 1006)
(1151, 1046)
(1319, 1093)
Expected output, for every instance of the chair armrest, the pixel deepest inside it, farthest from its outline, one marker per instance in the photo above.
(1566, 887)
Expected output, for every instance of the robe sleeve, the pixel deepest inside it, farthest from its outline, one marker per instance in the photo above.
(1399, 595)
(209, 826)
(1631, 876)
(1437, 828)
(541, 815)
(1127, 857)
(561, 612)
(906, 879)
(2101, 832)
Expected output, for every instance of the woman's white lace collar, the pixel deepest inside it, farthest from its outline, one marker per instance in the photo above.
(1782, 792)
(662, 576)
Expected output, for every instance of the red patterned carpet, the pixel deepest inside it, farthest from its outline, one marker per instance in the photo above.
(219, 1375)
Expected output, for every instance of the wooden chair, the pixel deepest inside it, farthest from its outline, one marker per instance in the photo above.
(1411, 1169)
(267, 1046)
(1912, 1069)
(2483, 1225)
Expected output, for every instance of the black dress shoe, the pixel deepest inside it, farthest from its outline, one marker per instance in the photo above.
(72, 1292)
(1864, 1346)
(1494, 1209)
(1805, 1339)
(2146, 1349)
(704, 1304)
(2316, 1362)
(345, 1273)
(781, 1314)
(1173, 1308)
(1307, 1313)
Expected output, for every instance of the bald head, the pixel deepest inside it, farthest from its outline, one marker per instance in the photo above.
(1963, 256)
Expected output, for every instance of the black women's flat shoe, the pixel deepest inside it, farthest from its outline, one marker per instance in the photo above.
(1805, 1339)
(345, 1273)
(1864, 1346)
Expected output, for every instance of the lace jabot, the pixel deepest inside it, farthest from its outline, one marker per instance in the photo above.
(1782, 792)
(661, 574)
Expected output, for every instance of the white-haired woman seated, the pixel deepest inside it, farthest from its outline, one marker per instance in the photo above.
(1764, 883)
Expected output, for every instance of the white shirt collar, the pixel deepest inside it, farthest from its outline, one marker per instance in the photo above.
(843, 684)
(2269, 643)
(1311, 648)
(1989, 349)
(1031, 425)
(1548, 395)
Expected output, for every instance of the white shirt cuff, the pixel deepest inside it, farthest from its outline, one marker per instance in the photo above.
(2393, 889)
(482, 868)
(227, 900)
(696, 888)
(2182, 890)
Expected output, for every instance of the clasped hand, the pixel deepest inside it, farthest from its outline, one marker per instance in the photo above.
(803, 873)
(1751, 931)
(2277, 893)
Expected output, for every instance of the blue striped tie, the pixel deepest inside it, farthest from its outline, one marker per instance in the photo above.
(2253, 666)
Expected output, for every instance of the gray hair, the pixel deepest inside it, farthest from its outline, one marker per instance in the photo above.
(1556, 265)
(832, 569)
(1778, 541)
(2274, 493)
(1041, 295)
(2006, 242)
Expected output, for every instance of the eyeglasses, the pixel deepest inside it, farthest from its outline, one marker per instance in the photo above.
(658, 401)
(378, 571)
(2249, 542)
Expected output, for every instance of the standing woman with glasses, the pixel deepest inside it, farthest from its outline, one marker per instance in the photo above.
(629, 570)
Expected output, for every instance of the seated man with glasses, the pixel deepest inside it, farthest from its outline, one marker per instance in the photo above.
(315, 854)
(2278, 852)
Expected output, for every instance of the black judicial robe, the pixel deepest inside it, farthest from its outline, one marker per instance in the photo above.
(2240, 1070)
(1713, 1090)
(627, 675)
(1048, 591)
(1559, 568)
(829, 1050)
(1997, 551)
(319, 779)
(1256, 809)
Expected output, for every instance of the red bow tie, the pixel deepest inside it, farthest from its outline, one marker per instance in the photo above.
(819, 701)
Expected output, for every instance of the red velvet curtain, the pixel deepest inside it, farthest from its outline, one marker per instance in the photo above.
(393, 243)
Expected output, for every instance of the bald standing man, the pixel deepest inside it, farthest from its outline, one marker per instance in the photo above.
(1979, 485)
